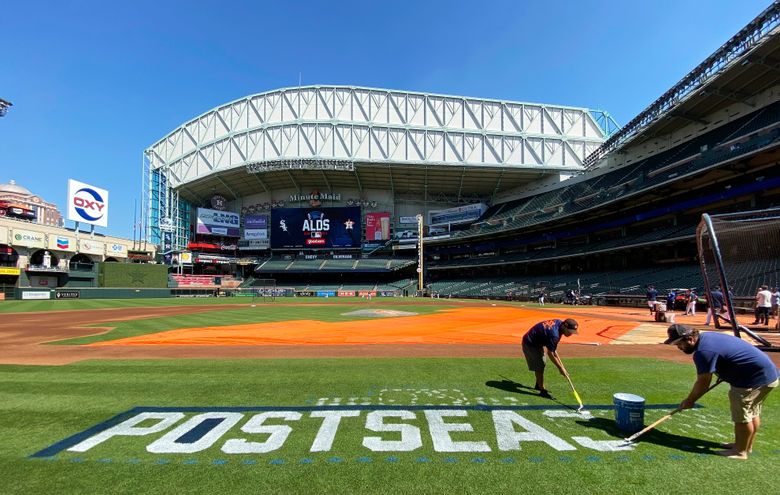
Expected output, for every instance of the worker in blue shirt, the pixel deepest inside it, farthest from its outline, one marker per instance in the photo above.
(546, 335)
(750, 372)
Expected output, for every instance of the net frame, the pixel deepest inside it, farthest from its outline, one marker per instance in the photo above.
(747, 226)
(264, 289)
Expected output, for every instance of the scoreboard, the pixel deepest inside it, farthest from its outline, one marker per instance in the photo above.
(314, 228)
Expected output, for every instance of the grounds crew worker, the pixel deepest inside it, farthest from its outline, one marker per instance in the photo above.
(751, 374)
(546, 334)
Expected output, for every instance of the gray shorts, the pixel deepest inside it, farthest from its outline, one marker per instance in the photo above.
(534, 356)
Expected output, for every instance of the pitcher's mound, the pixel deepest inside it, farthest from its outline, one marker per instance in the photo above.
(373, 313)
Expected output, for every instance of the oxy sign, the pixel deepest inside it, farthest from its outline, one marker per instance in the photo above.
(87, 204)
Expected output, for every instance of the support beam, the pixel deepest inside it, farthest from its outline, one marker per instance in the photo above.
(460, 189)
(736, 96)
(325, 178)
(265, 188)
(425, 186)
(295, 184)
(685, 116)
(392, 185)
(197, 198)
(497, 188)
(357, 178)
(230, 190)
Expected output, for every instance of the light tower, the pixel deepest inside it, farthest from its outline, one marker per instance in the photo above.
(420, 256)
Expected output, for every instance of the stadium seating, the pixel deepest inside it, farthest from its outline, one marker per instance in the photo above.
(276, 265)
(629, 282)
(725, 143)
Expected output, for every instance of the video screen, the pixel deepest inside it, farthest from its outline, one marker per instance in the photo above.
(315, 228)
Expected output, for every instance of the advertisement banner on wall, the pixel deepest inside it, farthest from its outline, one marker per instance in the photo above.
(67, 294)
(378, 226)
(256, 221)
(459, 215)
(118, 250)
(88, 246)
(253, 244)
(62, 243)
(42, 281)
(87, 204)
(185, 258)
(408, 220)
(255, 234)
(9, 271)
(315, 228)
(167, 247)
(215, 222)
(42, 294)
(28, 238)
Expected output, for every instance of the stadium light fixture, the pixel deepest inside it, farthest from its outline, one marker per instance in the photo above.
(4, 106)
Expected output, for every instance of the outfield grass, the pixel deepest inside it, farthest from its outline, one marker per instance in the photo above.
(261, 313)
(83, 304)
(39, 406)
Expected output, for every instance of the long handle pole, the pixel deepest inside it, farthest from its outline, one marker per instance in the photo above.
(576, 395)
(664, 418)
(650, 427)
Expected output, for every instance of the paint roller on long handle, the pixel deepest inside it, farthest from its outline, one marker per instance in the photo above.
(664, 418)
(574, 391)
(576, 395)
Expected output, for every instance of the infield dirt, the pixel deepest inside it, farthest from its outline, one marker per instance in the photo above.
(470, 329)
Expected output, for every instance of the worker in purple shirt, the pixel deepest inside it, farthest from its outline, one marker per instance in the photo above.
(751, 374)
(546, 335)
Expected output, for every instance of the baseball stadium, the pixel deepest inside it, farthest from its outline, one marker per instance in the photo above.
(336, 289)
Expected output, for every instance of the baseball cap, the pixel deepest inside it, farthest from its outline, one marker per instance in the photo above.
(677, 332)
(571, 324)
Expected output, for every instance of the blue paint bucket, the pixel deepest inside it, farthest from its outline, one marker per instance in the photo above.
(629, 412)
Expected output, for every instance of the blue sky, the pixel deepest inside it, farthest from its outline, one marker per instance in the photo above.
(95, 83)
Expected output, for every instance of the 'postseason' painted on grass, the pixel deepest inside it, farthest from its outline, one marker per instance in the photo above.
(387, 429)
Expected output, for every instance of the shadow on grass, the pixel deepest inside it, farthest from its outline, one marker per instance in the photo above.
(656, 437)
(508, 385)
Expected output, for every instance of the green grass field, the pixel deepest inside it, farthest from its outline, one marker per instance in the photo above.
(409, 426)
(83, 304)
(40, 406)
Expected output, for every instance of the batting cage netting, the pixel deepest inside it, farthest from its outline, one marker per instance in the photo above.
(738, 253)
(264, 289)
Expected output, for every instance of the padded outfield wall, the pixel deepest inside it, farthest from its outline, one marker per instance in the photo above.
(132, 275)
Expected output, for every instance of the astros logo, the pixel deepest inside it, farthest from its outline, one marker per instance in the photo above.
(89, 204)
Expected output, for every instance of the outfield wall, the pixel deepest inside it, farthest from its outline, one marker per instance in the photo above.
(133, 275)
